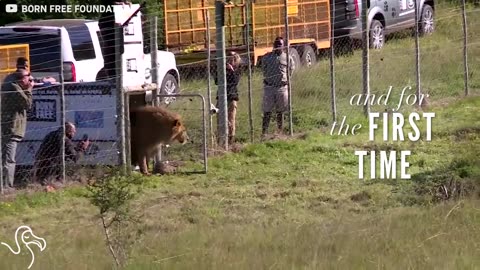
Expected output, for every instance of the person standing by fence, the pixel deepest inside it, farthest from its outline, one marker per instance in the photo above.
(16, 101)
(233, 78)
(275, 85)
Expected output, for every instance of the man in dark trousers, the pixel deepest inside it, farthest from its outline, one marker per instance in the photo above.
(48, 158)
(275, 85)
(16, 101)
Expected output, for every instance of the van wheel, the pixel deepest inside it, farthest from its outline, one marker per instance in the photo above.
(427, 25)
(377, 35)
(308, 56)
(169, 87)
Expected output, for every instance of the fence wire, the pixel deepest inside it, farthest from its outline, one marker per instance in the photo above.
(444, 59)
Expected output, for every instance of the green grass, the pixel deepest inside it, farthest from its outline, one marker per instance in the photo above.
(297, 204)
(293, 204)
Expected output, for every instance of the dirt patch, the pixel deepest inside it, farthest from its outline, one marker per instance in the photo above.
(302, 183)
(35, 188)
(237, 147)
(466, 133)
(361, 197)
(326, 199)
(261, 194)
(219, 152)
(374, 147)
(194, 194)
(281, 194)
(285, 137)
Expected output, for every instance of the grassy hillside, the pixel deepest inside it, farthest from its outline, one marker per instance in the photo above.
(285, 205)
(298, 203)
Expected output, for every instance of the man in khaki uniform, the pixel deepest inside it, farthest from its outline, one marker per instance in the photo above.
(275, 85)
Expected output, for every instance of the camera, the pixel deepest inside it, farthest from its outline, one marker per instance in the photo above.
(213, 109)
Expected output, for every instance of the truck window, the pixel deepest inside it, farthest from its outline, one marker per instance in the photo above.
(82, 44)
(44, 49)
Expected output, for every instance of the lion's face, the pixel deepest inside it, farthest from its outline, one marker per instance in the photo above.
(180, 132)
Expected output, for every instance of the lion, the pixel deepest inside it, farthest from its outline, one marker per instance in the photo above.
(152, 127)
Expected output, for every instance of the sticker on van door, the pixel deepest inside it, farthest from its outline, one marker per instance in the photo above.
(411, 4)
(406, 4)
(148, 73)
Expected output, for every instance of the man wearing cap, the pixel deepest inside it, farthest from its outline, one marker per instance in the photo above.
(275, 85)
(22, 63)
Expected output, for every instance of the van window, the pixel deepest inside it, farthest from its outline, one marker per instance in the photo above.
(44, 49)
(82, 44)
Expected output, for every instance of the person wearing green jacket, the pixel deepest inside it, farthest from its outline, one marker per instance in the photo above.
(16, 101)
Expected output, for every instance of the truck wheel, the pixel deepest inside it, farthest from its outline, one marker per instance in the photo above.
(377, 35)
(295, 59)
(169, 87)
(426, 26)
(308, 56)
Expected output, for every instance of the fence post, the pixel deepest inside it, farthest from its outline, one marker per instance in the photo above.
(209, 78)
(249, 62)
(332, 62)
(465, 52)
(62, 109)
(154, 63)
(221, 75)
(1, 148)
(289, 84)
(365, 56)
(120, 99)
(417, 54)
(128, 145)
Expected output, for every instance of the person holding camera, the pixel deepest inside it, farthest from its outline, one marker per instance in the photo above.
(233, 77)
(16, 101)
(48, 158)
(275, 85)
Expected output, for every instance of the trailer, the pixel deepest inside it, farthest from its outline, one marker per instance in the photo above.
(189, 28)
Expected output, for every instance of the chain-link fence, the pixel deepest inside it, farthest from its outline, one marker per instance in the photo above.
(425, 56)
(431, 49)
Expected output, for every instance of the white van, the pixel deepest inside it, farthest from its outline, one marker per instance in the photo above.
(82, 55)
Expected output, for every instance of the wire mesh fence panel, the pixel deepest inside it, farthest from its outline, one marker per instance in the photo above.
(90, 133)
(311, 95)
(473, 46)
(348, 78)
(187, 152)
(441, 56)
(393, 59)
